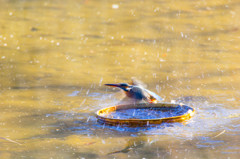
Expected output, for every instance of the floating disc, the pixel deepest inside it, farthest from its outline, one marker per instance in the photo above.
(144, 114)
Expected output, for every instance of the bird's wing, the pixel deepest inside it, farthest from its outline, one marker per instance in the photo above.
(157, 97)
(139, 93)
(137, 82)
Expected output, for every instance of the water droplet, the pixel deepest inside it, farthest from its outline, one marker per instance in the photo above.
(115, 6)
(156, 9)
(87, 91)
(103, 141)
(100, 82)
(182, 34)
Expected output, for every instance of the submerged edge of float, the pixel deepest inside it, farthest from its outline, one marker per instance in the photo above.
(142, 122)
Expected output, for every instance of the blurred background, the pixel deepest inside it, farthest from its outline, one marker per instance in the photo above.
(56, 55)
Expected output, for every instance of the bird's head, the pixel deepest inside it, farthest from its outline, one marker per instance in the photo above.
(124, 86)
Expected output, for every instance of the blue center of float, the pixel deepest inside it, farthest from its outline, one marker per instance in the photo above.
(148, 113)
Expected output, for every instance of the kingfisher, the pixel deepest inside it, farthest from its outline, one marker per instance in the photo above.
(136, 91)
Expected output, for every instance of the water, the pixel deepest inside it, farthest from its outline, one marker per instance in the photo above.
(148, 113)
(55, 57)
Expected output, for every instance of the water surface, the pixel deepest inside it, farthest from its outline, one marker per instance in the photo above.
(149, 113)
(55, 57)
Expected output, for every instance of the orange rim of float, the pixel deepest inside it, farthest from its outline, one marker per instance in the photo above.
(142, 122)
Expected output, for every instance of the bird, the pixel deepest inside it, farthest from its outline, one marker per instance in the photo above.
(136, 91)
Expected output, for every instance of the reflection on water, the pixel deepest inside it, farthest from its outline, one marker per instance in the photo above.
(55, 57)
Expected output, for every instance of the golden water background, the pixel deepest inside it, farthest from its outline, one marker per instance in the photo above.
(56, 55)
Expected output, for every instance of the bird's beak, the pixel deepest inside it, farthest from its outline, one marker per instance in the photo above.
(113, 85)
